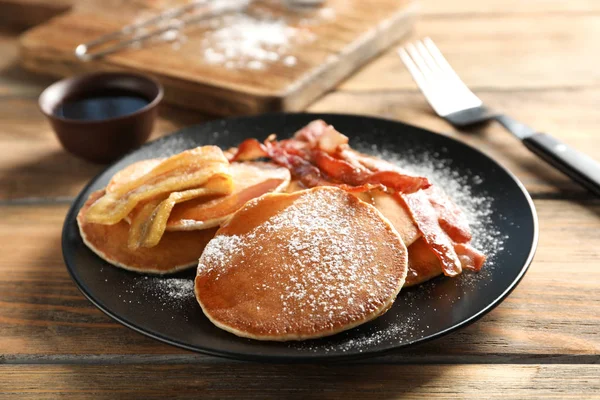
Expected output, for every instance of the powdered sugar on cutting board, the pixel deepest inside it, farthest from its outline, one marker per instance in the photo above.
(263, 34)
(256, 40)
(245, 42)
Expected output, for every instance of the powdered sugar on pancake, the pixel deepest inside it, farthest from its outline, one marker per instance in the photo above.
(322, 274)
(304, 265)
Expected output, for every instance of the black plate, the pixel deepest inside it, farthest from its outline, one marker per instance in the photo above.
(423, 313)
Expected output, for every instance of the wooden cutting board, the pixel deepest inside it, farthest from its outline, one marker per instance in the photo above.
(26, 13)
(323, 49)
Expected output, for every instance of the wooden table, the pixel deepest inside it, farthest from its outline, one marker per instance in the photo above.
(537, 61)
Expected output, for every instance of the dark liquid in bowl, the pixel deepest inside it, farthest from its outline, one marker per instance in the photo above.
(101, 106)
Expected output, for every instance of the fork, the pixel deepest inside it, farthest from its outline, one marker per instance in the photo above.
(452, 100)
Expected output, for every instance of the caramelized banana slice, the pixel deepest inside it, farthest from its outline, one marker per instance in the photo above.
(186, 170)
(132, 172)
(149, 224)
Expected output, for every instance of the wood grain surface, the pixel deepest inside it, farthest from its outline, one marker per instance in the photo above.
(536, 61)
(306, 382)
(338, 46)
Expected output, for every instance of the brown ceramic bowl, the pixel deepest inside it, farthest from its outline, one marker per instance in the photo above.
(102, 140)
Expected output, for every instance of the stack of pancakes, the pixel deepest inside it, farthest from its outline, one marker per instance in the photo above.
(190, 225)
(278, 259)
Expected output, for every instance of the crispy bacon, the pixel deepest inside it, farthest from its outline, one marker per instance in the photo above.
(295, 147)
(320, 135)
(317, 167)
(309, 174)
(426, 220)
(357, 175)
(248, 150)
(450, 217)
(311, 132)
(470, 258)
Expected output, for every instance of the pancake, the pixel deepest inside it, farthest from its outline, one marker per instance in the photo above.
(300, 266)
(250, 180)
(176, 251)
(394, 211)
(391, 208)
(295, 186)
(423, 264)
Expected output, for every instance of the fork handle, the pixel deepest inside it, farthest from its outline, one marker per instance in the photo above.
(578, 166)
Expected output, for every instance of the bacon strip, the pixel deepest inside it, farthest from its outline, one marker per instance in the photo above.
(248, 150)
(450, 217)
(316, 167)
(426, 219)
(311, 132)
(445, 230)
(357, 174)
(308, 174)
(470, 258)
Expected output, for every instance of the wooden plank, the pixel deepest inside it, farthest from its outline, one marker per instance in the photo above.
(554, 314)
(499, 52)
(266, 381)
(355, 33)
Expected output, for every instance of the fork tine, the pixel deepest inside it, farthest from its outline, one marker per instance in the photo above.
(420, 79)
(420, 61)
(445, 66)
(428, 58)
(437, 55)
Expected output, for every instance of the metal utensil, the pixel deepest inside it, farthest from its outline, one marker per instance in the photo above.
(452, 100)
(203, 9)
(198, 10)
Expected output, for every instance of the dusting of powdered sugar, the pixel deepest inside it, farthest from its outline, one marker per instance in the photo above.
(261, 38)
(164, 293)
(339, 278)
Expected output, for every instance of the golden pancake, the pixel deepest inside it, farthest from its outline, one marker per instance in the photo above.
(387, 205)
(423, 264)
(394, 211)
(250, 180)
(176, 250)
(295, 186)
(299, 266)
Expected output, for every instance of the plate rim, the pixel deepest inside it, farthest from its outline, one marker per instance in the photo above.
(301, 357)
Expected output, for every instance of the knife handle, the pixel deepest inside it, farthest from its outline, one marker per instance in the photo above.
(578, 166)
